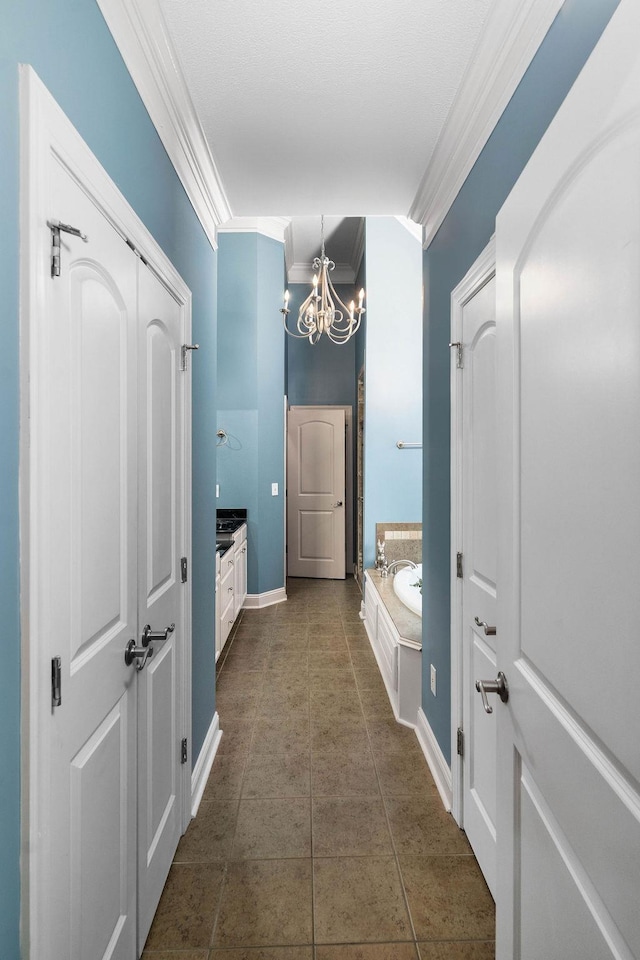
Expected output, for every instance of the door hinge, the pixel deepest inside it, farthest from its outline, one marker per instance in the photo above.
(460, 742)
(459, 361)
(185, 347)
(183, 751)
(56, 681)
(459, 566)
(56, 227)
(183, 569)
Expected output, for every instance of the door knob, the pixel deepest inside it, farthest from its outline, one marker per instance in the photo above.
(141, 654)
(148, 634)
(488, 631)
(498, 686)
(338, 503)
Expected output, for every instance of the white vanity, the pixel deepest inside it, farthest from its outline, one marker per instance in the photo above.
(231, 584)
(395, 635)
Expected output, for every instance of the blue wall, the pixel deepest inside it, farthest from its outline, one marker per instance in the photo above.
(459, 241)
(393, 377)
(72, 50)
(322, 373)
(251, 397)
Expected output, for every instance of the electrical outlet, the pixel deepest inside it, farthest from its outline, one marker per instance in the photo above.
(433, 680)
(274, 489)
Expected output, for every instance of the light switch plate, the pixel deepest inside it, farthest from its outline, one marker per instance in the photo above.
(274, 489)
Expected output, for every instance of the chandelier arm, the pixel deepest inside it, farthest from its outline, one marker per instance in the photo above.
(345, 325)
(291, 333)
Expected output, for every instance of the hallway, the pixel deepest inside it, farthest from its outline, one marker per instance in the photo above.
(320, 835)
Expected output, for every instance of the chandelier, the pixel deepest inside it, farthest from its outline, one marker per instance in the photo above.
(323, 311)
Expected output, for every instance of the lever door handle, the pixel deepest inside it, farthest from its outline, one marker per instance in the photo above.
(498, 686)
(488, 631)
(148, 634)
(141, 654)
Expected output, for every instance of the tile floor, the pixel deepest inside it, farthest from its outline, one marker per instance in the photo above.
(320, 835)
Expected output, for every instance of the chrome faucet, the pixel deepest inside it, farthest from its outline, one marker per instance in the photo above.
(393, 566)
(396, 563)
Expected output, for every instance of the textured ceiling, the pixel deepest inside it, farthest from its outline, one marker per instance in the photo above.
(328, 108)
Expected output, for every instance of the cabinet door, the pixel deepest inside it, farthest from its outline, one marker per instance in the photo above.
(240, 562)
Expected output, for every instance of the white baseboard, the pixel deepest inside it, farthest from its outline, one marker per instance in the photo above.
(435, 758)
(203, 764)
(254, 601)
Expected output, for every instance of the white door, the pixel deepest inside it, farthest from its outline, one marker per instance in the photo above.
(84, 574)
(476, 330)
(568, 348)
(103, 428)
(160, 590)
(316, 493)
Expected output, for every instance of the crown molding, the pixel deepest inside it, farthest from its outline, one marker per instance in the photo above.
(415, 229)
(274, 227)
(345, 272)
(510, 38)
(301, 273)
(141, 35)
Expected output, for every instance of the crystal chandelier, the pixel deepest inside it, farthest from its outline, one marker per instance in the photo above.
(323, 311)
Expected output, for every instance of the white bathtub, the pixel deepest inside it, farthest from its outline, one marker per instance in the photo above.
(403, 584)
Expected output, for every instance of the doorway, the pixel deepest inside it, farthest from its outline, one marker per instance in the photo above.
(359, 567)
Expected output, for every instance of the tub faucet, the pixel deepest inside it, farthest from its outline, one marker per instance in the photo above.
(396, 563)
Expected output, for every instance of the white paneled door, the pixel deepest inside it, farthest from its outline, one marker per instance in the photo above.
(316, 544)
(105, 484)
(86, 569)
(568, 348)
(160, 613)
(475, 385)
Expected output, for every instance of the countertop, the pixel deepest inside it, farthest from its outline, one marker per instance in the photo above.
(408, 624)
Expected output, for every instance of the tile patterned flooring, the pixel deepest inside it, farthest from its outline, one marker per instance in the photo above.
(320, 835)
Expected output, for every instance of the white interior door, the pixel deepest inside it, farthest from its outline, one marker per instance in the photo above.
(316, 493)
(568, 313)
(83, 581)
(160, 590)
(104, 508)
(476, 330)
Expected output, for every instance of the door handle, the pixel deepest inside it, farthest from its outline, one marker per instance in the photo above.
(338, 503)
(498, 686)
(141, 654)
(488, 631)
(148, 634)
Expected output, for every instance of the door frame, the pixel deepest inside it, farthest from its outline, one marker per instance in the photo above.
(358, 567)
(348, 473)
(479, 274)
(44, 128)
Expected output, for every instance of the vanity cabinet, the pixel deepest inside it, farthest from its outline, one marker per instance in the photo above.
(218, 607)
(395, 635)
(240, 568)
(231, 586)
(227, 596)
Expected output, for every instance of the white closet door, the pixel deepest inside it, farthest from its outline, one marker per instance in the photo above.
(105, 426)
(160, 591)
(83, 571)
(480, 557)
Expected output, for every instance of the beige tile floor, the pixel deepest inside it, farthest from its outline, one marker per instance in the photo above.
(320, 835)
